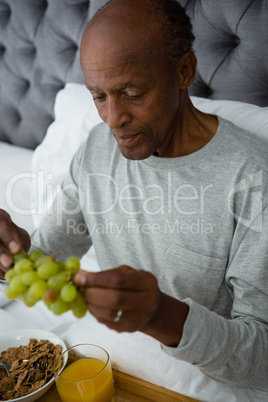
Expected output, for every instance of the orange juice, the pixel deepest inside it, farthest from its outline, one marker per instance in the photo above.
(86, 380)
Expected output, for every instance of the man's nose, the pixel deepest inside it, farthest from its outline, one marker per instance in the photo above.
(117, 113)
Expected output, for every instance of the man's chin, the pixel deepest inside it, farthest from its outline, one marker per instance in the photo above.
(134, 154)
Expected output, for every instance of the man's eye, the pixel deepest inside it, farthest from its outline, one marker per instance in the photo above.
(98, 98)
(133, 97)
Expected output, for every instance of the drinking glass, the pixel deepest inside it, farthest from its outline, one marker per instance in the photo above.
(87, 376)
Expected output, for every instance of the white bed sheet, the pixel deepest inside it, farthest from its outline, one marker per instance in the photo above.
(27, 174)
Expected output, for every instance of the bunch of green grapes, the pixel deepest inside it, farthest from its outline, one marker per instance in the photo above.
(36, 277)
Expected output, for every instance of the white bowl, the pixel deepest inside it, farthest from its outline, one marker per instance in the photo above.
(21, 338)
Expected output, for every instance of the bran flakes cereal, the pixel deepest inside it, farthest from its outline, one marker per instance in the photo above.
(32, 367)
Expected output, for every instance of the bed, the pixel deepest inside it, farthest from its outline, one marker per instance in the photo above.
(43, 102)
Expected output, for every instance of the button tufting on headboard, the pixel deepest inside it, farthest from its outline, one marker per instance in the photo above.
(5, 12)
(39, 42)
(44, 5)
(2, 50)
(232, 49)
(39, 53)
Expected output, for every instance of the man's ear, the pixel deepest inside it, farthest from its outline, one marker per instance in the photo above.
(187, 69)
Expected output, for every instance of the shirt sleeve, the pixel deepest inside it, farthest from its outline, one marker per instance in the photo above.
(63, 231)
(235, 350)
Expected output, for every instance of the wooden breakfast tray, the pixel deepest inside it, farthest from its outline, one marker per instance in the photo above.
(131, 389)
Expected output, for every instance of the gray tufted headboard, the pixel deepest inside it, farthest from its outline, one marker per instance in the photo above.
(39, 53)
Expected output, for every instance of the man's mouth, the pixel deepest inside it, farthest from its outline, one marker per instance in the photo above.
(127, 139)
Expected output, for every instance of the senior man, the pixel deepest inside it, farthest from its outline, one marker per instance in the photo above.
(174, 201)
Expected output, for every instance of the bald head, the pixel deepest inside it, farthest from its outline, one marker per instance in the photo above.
(159, 26)
(121, 26)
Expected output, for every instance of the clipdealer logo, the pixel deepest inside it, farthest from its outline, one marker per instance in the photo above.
(244, 200)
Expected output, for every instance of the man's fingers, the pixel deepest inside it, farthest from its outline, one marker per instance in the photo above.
(12, 237)
(8, 236)
(9, 244)
(104, 315)
(115, 299)
(12, 240)
(129, 320)
(122, 277)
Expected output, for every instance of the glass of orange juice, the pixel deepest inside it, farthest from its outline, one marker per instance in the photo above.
(87, 376)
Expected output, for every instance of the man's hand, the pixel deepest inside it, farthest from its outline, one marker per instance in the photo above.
(12, 240)
(136, 294)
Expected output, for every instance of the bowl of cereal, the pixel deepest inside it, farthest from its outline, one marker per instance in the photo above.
(32, 354)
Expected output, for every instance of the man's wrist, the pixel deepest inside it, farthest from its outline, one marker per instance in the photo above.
(166, 324)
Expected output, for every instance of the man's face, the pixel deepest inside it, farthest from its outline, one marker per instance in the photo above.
(136, 94)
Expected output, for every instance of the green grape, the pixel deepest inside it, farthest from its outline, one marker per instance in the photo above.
(72, 264)
(28, 278)
(28, 299)
(10, 274)
(17, 285)
(11, 294)
(37, 277)
(35, 254)
(42, 260)
(50, 296)
(31, 298)
(68, 292)
(19, 256)
(56, 282)
(47, 269)
(23, 265)
(38, 288)
(61, 266)
(78, 306)
(59, 306)
(80, 311)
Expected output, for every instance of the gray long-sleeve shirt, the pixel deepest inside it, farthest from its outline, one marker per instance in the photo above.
(199, 223)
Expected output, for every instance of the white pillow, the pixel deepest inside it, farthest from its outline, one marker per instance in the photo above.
(15, 183)
(249, 117)
(75, 114)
